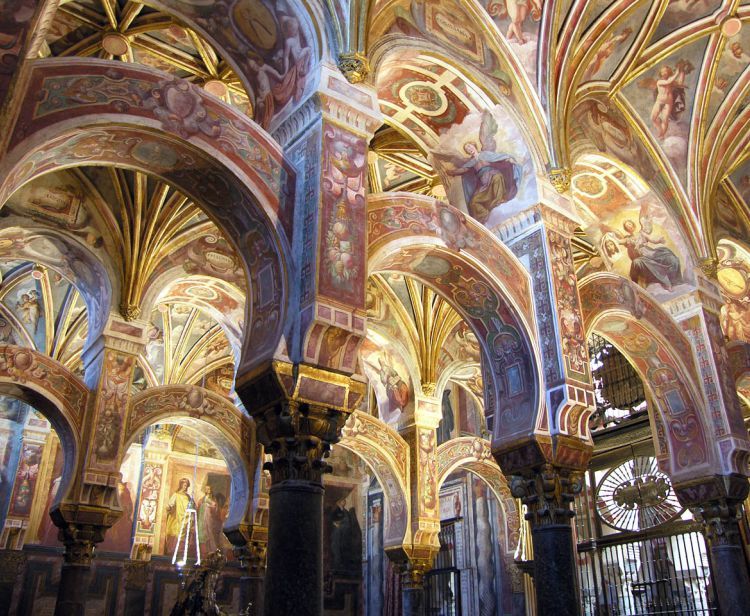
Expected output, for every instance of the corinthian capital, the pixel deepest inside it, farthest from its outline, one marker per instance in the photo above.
(547, 493)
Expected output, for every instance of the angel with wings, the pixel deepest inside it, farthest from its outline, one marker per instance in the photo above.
(669, 92)
(650, 260)
(489, 177)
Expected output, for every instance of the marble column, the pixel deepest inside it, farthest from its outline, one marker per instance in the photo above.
(718, 504)
(298, 435)
(548, 494)
(412, 586)
(75, 576)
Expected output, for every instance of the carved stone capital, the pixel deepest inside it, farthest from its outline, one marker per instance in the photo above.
(80, 543)
(299, 437)
(547, 493)
(299, 412)
(413, 572)
(252, 557)
(559, 177)
(355, 66)
(80, 528)
(720, 521)
(710, 267)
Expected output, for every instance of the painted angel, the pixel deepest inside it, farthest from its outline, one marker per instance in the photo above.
(650, 260)
(669, 93)
(30, 308)
(489, 177)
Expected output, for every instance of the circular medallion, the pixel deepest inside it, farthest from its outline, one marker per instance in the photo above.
(636, 495)
(256, 22)
(427, 98)
(732, 281)
(115, 43)
(215, 87)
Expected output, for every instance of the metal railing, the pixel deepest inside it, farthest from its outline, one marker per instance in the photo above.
(667, 574)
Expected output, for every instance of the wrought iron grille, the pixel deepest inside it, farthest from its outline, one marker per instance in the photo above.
(619, 389)
(651, 575)
(443, 584)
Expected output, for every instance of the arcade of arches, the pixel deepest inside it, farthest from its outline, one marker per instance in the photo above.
(374, 307)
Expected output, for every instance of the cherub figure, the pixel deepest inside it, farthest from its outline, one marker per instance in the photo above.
(30, 309)
(489, 178)
(669, 90)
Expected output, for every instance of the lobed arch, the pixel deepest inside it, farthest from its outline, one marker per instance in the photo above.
(230, 431)
(173, 130)
(438, 245)
(662, 355)
(54, 391)
(386, 453)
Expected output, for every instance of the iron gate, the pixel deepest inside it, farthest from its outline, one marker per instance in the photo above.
(666, 574)
(442, 585)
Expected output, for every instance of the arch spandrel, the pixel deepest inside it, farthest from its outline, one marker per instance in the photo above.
(660, 352)
(212, 154)
(230, 430)
(430, 242)
(387, 454)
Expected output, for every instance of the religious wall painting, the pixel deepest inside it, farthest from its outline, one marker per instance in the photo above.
(681, 12)
(25, 481)
(119, 536)
(47, 532)
(23, 298)
(389, 378)
(209, 490)
(635, 234)
(520, 23)
(114, 389)
(733, 275)
(487, 168)
(269, 43)
(734, 59)
(663, 97)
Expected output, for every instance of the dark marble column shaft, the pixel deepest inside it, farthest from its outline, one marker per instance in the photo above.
(412, 600)
(554, 570)
(548, 492)
(73, 588)
(294, 569)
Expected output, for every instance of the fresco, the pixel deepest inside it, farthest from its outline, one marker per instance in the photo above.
(448, 25)
(733, 275)
(485, 165)
(680, 12)
(389, 379)
(268, 42)
(734, 59)
(636, 236)
(663, 96)
(520, 23)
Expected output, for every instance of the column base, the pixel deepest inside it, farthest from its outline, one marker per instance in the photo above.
(412, 601)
